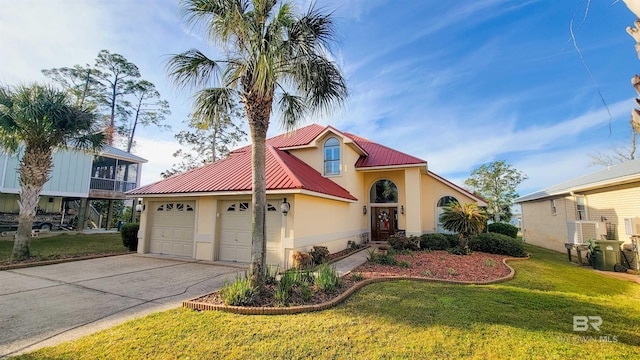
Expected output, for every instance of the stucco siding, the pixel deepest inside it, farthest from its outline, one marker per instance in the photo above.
(432, 191)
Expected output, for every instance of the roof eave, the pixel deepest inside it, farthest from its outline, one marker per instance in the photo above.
(392, 167)
(593, 186)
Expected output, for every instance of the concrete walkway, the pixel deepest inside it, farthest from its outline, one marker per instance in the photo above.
(47, 305)
(351, 262)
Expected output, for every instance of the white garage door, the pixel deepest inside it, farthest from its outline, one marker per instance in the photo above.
(235, 233)
(172, 228)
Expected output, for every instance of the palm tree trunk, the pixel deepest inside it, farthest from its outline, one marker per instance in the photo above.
(258, 111)
(34, 170)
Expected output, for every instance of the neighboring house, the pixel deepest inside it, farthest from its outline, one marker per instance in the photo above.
(76, 178)
(338, 187)
(554, 216)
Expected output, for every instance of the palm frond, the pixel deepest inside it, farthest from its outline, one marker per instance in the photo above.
(293, 108)
(192, 68)
(210, 104)
(321, 82)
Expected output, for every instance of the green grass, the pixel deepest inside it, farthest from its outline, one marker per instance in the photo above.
(529, 317)
(64, 245)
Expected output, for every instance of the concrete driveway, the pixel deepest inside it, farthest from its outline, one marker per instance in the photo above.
(46, 305)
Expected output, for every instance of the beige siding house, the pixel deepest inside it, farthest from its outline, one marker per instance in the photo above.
(605, 197)
(338, 188)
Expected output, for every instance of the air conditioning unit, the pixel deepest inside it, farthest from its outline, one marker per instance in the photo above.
(580, 232)
(632, 226)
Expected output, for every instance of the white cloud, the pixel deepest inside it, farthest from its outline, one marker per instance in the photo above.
(159, 153)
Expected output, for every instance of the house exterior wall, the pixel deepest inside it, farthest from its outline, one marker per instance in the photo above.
(432, 190)
(613, 205)
(70, 175)
(321, 222)
(398, 178)
(542, 228)
(48, 204)
(610, 205)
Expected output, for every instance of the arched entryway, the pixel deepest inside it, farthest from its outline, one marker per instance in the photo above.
(383, 197)
(443, 203)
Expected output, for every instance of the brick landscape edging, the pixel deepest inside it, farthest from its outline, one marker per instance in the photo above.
(252, 310)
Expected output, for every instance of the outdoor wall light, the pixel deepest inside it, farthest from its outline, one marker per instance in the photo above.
(402, 209)
(364, 210)
(285, 206)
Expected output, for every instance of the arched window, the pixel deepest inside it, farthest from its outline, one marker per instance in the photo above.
(332, 157)
(446, 200)
(383, 191)
(443, 203)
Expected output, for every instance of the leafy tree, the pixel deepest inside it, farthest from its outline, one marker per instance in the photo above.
(116, 72)
(271, 55)
(496, 182)
(147, 108)
(80, 82)
(464, 219)
(113, 84)
(35, 120)
(207, 142)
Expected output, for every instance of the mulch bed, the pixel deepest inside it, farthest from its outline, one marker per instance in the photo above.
(436, 265)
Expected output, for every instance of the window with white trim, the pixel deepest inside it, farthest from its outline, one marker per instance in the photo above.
(332, 157)
(581, 207)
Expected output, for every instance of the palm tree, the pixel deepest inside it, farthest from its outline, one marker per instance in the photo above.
(271, 55)
(464, 219)
(35, 120)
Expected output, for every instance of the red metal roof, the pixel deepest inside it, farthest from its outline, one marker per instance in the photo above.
(380, 155)
(283, 172)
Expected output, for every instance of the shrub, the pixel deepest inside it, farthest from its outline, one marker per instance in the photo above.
(385, 259)
(293, 285)
(459, 250)
(427, 273)
(302, 261)
(504, 229)
(493, 243)
(453, 239)
(320, 254)
(452, 272)
(352, 245)
(239, 293)
(327, 279)
(129, 234)
(399, 242)
(435, 242)
(357, 277)
(405, 264)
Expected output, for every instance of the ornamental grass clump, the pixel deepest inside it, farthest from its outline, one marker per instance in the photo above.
(327, 279)
(239, 292)
(293, 285)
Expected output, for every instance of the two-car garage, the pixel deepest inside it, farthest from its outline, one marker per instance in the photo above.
(172, 230)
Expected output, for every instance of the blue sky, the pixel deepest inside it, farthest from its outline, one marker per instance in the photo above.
(458, 83)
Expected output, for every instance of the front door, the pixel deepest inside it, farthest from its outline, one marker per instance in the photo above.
(383, 223)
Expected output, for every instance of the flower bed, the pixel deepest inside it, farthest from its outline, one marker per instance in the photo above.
(477, 268)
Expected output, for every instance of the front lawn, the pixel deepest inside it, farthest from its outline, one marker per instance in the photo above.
(66, 245)
(530, 316)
